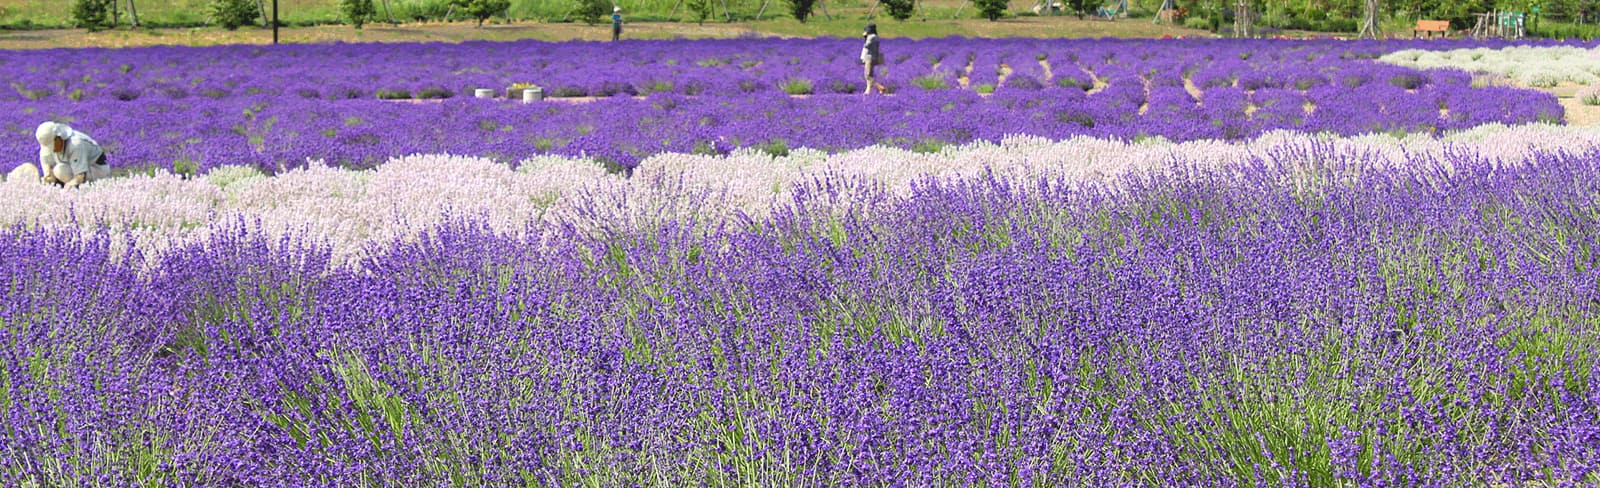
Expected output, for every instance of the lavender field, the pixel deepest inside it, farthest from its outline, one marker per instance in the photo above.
(191, 109)
(1317, 271)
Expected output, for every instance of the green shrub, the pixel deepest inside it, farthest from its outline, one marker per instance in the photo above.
(930, 82)
(435, 92)
(991, 9)
(90, 14)
(797, 86)
(801, 9)
(592, 11)
(1197, 22)
(482, 9)
(776, 148)
(899, 9)
(231, 14)
(386, 94)
(984, 88)
(356, 12)
(420, 10)
(701, 9)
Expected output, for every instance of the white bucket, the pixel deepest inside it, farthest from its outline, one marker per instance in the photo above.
(532, 95)
(483, 93)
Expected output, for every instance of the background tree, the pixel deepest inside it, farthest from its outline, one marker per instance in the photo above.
(991, 9)
(899, 9)
(1078, 7)
(801, 9)
(481, 9)
(356, 12)
(230, 14)
(593, 11)
(91, 14)
(702, 10)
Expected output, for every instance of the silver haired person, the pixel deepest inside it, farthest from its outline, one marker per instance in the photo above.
(68, 157)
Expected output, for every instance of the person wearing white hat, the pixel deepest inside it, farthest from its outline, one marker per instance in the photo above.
(616, 23)
(68, 157)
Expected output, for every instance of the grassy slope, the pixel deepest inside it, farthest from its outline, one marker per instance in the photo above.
(459, 31)
(55, 13)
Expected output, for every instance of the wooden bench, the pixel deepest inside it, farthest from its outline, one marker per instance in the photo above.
(1430, 27)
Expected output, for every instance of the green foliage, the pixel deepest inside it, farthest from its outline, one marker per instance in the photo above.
(387, 94)
(797, 86)
(991, 9)
(700, 10)
(1079, 7)
(91, 14)
(231, 14)
(481, 9)
(930, 82)
(899, 9)
(592, 11)
(801, 9)
(356, 12)
(419, 10)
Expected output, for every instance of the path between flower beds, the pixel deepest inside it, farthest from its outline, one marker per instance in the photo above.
(1576, 112)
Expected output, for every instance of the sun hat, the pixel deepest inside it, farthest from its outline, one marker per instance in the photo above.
(616, 9)
(49, 131)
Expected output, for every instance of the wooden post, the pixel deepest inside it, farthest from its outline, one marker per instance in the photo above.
(274, 22)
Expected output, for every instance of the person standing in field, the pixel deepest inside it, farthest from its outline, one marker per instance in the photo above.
(68, 157)
(616, 23)
(872, 58)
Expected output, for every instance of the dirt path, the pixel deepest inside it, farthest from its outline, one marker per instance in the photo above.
(1577, 114)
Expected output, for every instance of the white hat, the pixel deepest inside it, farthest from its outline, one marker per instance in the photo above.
(49, 131)
(616, 9)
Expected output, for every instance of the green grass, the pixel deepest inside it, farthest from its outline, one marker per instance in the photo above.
(930, 82)
(797, 86)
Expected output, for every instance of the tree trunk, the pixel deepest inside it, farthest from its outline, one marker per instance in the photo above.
(133, 14)
(262, 8)
(390, 12)
(114, 14)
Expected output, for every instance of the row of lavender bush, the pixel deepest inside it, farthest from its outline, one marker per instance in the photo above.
(276, 133)
(700, 67)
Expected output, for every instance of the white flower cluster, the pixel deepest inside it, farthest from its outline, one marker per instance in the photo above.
(351, 210)
(1540, 67)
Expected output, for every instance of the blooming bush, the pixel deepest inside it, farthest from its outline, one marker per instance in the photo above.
(1295, 310)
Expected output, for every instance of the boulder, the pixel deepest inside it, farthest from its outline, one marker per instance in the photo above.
(24, 172)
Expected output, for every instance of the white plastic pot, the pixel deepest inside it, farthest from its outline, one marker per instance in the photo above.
(532, 95)
(483, 93)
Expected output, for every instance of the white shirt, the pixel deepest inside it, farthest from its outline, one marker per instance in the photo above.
(81, 152)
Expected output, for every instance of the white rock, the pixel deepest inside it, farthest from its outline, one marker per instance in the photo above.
(25, 172)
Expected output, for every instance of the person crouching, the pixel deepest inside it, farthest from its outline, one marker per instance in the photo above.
(69, 158)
